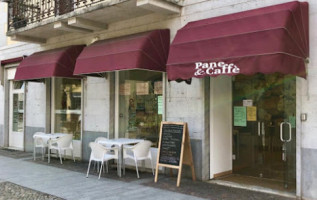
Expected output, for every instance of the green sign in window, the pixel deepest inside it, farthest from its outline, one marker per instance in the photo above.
(160, 105)
(239, 116)
(292, 120)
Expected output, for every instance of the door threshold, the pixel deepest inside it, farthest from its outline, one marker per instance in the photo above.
(256, 188)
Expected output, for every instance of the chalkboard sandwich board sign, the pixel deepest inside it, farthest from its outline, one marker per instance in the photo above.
(174, 148)
(171, 144)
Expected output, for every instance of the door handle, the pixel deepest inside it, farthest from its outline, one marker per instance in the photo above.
(263, 134)
(289, 134)
(259, 128)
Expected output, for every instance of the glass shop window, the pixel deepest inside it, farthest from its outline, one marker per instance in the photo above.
(140, 104)
(18, 106)
(67, 108)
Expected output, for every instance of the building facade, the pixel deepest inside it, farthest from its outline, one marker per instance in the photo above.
(243, 123)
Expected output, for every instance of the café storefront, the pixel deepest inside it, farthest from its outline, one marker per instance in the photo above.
(252, 63)
(253, 59)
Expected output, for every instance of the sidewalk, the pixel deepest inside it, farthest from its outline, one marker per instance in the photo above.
(54, 181)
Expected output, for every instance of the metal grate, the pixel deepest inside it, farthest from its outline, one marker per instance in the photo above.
(25, 12)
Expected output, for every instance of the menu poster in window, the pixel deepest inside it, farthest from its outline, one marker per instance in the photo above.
(142, 88)
(160, 105)
(239, 116)
(251, 113)
(125, 89)
(158, 87)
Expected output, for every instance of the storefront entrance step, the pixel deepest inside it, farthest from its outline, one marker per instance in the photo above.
(212, 191)
(263, 186)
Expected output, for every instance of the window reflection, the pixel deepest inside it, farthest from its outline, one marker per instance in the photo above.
(18, 112)
(17, 106)
(18, 85)
(68, 106)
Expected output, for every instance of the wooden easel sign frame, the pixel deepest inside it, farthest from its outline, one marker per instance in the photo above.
(174, 149)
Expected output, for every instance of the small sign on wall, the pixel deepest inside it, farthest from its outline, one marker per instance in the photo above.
(251, 113)
(158, 87)
(160, 105)
(247, 102)
(142, 88)
(125, 89)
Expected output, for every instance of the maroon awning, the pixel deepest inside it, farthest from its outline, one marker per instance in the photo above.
(51, 63)
(12, 60)
(266, 40)
(6, 62)
(148, 50)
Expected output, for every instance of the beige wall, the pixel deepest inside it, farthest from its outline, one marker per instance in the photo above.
(3, 23)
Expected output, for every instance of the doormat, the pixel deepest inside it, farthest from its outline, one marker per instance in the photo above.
(10, 190)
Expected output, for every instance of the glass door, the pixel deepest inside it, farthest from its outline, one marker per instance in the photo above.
(16, 115)
(264, 133)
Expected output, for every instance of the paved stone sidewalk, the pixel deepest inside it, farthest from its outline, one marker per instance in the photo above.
(74, 185)
(68, 181)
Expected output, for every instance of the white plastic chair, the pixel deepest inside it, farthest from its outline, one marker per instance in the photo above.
(97, 140)
(61, 145)
(101, 154)
(39, 143)
(140, 151)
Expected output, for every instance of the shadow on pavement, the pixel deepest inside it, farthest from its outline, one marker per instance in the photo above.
(81, 167)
